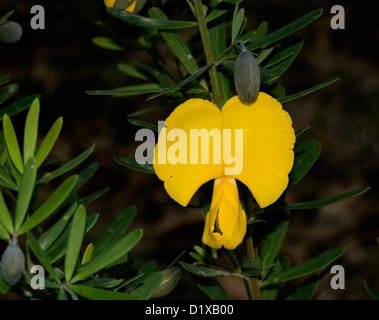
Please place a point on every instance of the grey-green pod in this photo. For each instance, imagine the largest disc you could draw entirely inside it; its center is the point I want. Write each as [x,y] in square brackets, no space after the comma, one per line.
[247,78]
[12,263]
[10,31]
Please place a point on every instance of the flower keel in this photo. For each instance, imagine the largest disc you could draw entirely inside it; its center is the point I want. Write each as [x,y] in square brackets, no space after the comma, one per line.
[225,223]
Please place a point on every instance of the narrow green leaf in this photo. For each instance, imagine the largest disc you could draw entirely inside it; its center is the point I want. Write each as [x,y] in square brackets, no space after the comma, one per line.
[7,92]
[197,257]
[149,286]
[58,248]
[235,2]
[106,43]
[308,267]
[202,252]
[47,238]
[49,141]
[307,289]
[18,106]
[261,31]
[212,289]
[115,230]
[4,234]
[86,174]
[54,201]
[133,164]
[264,54]
[144,124]
[6,16]
[370,291]
[12,144]
[305,156]
[70,165]
[26,191]
[214,14]
[74,243]
[176,44]
[166,81]
[37,250]
[62,295]
[147,269]
[93,196]
[6,180]
[31,130]
[209,272]
[251,268]
[198,73]
[268,76]
[100,294]
[5,216]
[272,291]
[119,249]
[129,91]
[321,203]
[278,91]
[283,59]
[306,92]
[4,286]
[286,30]
[145,22]
[237,22]
[272,242]
[87,256]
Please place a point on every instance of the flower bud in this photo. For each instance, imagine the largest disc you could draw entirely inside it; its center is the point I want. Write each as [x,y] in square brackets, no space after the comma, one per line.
[128,5]
[12,263]
[171,278]
[246,76]
[10,31]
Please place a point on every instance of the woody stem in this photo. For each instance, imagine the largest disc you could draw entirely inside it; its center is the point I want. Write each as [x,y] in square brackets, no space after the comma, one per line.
[252,283]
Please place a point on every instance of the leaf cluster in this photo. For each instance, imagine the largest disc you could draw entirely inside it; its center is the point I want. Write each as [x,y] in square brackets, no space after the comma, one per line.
[53,232]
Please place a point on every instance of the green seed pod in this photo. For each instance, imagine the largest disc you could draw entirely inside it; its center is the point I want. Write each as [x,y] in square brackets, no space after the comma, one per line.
[246,76]
[171,278]
[12,263]
[10,31]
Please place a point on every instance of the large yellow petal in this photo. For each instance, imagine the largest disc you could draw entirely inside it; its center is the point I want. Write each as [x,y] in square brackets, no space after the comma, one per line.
[268,141]
[225,223]
[182,179]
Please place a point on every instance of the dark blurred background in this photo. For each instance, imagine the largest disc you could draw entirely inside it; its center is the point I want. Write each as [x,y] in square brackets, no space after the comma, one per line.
[61,63]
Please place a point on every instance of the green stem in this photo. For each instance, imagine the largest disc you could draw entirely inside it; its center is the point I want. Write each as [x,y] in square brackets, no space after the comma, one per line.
[216,93]
[253,285]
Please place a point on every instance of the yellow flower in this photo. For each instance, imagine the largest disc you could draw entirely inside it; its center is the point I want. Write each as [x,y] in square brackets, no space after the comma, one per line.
[129,8]
[265,159]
